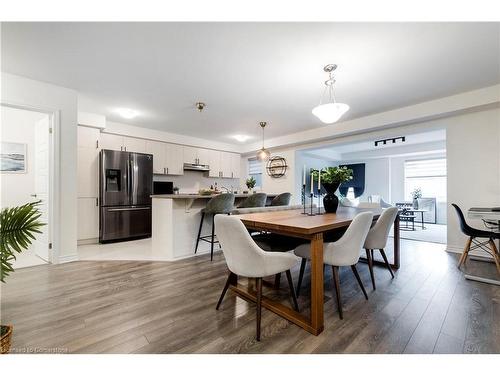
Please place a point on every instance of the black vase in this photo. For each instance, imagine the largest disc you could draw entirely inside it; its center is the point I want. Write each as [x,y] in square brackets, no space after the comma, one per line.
[330,200]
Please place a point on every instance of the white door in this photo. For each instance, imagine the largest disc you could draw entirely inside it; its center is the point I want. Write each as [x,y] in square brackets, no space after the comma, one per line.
[42,181]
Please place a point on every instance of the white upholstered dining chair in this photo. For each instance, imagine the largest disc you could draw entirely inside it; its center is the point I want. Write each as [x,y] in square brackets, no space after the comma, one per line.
[377,239]
[245,258]
[344,252]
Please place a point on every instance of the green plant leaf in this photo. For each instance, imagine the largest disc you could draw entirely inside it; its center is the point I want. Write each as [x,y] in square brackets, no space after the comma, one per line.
[18,226]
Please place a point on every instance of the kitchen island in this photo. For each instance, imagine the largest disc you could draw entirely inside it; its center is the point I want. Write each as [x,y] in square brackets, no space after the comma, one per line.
[175,223]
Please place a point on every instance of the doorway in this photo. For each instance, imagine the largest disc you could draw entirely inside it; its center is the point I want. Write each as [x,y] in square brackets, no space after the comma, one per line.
[25,173]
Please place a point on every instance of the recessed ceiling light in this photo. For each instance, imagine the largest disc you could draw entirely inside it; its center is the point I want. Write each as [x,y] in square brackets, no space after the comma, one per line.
[127,112]
[241,137]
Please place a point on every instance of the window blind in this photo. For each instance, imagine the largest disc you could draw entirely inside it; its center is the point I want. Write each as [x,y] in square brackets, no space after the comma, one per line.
[425,168]
[254,166]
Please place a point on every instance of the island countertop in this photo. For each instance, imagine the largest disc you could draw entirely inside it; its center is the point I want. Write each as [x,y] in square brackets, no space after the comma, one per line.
[198,196]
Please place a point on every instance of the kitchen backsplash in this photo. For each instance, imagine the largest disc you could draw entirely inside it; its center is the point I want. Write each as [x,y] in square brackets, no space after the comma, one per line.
[193,181]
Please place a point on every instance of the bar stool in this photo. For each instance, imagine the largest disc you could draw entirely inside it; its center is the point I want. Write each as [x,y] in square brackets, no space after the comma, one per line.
[254,200]
[282,199]
[220,204]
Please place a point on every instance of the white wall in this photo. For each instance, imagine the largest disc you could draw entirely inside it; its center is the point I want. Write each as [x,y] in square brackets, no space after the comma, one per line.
[26,92]
[19,126]
[473,144]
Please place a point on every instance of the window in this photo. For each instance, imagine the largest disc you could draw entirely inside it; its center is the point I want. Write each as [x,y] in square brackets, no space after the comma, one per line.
[428,175]
[255,171]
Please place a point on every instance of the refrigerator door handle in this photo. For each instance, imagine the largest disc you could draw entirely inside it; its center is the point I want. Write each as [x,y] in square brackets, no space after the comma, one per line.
[128,209]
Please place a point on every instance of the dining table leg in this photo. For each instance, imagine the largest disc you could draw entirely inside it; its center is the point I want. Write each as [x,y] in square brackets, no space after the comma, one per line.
[317,318]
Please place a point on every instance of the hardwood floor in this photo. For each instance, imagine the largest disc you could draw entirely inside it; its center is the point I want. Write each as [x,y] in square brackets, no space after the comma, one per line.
[156,307]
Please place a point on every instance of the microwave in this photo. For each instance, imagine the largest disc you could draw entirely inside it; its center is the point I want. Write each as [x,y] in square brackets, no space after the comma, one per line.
[163,187]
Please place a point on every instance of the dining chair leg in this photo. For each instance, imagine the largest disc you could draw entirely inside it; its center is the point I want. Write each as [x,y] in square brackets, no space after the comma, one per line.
[465,252]
[336,285]
[355,271]
[301,275]
[199,232]
[386,262]
[496,257]
[370,267]
[292,290]
[213,236]
[258,282]
[230,280]
[277,280]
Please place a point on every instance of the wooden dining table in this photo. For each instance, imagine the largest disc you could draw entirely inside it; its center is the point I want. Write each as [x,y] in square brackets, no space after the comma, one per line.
[294,223]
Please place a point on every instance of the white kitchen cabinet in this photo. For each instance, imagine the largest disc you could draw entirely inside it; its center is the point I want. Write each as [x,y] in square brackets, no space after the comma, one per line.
[214,164]
[225,165]
[88,219]
[174,162]
[131,144]
[235,165]
[190,154]
[205,155]
[88,162]
[111,142]
[158,150]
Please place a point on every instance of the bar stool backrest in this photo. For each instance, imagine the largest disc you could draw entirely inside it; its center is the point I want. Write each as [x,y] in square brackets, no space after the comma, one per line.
[254,200]
[220,204]
[282,199]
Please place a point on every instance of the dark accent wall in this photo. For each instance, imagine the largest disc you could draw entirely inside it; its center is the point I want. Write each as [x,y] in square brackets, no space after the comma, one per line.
[357,182]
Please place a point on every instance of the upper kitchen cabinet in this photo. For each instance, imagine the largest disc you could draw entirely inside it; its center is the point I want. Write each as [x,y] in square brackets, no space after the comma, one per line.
[88,161]
[194,155]
[158,150]
[174,162]
[190,155]
[225,165]
[235,165]
[167,157]
[122,143]
[111,142]
[131,144]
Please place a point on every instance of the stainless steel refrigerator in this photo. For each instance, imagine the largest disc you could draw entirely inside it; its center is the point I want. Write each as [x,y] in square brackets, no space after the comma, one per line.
[125,181]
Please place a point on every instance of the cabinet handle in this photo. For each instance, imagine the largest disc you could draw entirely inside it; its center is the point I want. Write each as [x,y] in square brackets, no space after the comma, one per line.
[232,175]
[167,170]
[97,144]
[97,202]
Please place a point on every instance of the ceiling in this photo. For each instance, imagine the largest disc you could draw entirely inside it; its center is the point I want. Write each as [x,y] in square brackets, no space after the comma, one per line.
[349,150]
[249,72]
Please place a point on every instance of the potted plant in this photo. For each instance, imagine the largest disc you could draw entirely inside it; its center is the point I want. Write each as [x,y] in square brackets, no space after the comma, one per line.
[18,226]
[331,178]
[250,182]
[416,194]
[176,190]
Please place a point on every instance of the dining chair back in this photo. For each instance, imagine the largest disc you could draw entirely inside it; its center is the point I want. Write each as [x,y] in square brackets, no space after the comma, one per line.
[245,258]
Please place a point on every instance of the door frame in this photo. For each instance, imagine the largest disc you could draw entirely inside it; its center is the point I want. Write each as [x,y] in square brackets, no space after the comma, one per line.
[54,174]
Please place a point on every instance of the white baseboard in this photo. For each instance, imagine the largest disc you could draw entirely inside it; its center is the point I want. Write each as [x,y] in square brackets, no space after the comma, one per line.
[454,249]
[88,241]
[68,258]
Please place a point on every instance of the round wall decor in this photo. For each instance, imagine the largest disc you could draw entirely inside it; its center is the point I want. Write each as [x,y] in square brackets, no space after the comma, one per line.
[276,166]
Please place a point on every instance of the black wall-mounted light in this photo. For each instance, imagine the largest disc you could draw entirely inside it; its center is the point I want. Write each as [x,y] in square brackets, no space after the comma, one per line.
[393,140]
